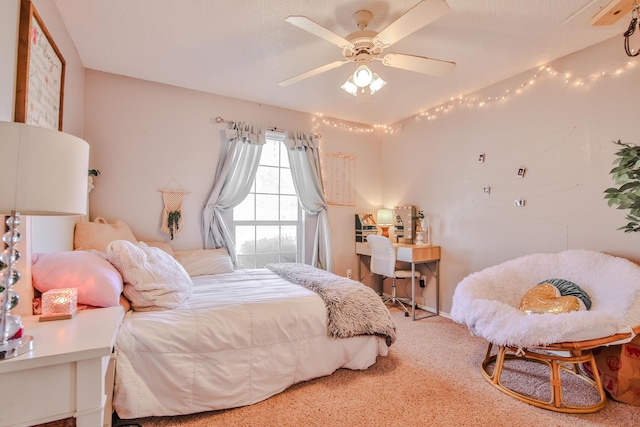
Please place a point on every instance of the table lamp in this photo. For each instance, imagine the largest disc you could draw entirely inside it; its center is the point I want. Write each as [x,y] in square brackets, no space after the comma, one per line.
[44,172]
[384,217]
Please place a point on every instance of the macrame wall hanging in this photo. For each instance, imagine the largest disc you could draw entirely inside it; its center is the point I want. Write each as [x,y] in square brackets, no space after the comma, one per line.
[172,219]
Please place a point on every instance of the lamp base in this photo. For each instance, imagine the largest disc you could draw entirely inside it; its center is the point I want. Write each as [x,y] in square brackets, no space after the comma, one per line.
[385,230]
[16,347]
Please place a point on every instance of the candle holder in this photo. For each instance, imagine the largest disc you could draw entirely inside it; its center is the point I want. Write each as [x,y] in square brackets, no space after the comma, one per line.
[59,304]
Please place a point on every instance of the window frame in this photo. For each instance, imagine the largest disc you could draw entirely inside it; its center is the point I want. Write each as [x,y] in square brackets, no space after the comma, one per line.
[299,223]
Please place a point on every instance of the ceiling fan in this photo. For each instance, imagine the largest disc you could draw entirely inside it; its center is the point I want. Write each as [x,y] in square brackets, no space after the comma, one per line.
[364,46]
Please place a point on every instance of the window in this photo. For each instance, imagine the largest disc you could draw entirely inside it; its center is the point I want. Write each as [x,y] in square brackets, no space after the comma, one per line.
[267,225]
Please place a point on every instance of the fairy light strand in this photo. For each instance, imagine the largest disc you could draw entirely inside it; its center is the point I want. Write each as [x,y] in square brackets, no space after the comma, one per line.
[477,102]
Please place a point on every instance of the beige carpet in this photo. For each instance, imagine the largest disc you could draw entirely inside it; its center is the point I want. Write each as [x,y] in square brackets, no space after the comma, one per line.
[431,377]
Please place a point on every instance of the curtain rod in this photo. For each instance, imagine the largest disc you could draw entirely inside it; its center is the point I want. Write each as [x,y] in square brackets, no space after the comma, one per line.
[272,129]
[220,120]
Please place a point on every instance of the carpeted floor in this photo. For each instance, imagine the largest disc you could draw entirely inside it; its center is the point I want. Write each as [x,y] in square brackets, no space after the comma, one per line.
[430,377]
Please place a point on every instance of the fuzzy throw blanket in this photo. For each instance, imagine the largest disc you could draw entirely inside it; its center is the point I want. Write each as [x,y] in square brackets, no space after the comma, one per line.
[353,308]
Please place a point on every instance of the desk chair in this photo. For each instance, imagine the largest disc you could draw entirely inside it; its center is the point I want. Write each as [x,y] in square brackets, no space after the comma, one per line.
[383,263]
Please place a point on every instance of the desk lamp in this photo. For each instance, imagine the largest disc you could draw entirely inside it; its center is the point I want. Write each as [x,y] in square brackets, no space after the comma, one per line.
[384,217]
[44,172]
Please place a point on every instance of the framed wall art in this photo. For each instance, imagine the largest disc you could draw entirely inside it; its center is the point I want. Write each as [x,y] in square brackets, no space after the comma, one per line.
[40,73]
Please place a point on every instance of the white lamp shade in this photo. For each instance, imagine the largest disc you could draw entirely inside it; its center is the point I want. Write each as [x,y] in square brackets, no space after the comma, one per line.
[362,76]
[384,216]
[43,171]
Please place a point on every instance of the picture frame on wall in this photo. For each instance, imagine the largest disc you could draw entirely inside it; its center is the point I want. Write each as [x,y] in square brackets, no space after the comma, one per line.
[39,74]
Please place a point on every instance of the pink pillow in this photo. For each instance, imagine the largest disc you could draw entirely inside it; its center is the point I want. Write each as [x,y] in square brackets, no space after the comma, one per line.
[99,283]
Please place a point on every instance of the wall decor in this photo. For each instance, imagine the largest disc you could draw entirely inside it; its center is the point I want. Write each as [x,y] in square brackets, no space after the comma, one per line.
[339,173]
[521,172]
[40,73]
[172,219]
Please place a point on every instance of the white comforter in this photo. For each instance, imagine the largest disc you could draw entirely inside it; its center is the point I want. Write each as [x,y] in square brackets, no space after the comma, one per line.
[241,338]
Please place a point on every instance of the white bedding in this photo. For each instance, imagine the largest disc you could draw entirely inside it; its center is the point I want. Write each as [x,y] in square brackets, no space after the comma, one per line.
[241,338]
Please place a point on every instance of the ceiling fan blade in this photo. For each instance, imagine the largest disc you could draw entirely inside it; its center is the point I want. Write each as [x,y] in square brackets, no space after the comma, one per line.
[415,18]
[318,30]
[419,64]
[612,12]
[312,73]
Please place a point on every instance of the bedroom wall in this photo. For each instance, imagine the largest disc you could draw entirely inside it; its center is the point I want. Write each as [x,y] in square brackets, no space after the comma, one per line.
[143,135]
[561,133]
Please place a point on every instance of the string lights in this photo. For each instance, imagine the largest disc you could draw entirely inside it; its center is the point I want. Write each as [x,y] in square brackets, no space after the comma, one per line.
[478,102]
[318,119]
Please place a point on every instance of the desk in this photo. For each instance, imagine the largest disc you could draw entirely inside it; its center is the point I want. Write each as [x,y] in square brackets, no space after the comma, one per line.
[414,254]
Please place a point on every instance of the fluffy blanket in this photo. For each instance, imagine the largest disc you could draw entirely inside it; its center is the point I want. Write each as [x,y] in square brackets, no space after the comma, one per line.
[353,308]
[487,301]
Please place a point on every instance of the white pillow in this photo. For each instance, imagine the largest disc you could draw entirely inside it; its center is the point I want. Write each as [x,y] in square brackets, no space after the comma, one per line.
[205,261]
[153,279]
[162,245]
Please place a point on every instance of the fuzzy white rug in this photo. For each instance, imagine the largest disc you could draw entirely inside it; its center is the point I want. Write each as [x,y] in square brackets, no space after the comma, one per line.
[487,301]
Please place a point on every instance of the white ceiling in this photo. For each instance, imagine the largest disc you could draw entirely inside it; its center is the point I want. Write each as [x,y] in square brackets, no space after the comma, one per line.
[243,48]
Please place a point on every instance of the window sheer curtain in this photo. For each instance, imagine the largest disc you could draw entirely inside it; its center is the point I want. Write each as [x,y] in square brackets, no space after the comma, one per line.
[237,165]
[304,158]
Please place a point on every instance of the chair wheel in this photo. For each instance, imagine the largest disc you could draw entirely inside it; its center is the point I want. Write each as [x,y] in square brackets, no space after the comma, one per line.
[406,314]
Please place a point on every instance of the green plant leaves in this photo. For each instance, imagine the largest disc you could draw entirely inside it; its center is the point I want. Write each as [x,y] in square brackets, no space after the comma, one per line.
[627,175]
[173,222]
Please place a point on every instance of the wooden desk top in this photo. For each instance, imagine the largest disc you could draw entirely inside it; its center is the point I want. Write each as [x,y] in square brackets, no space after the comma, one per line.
[406,252]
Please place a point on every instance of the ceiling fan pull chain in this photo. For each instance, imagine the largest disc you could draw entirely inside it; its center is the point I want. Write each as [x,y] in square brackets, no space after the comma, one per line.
[631,30]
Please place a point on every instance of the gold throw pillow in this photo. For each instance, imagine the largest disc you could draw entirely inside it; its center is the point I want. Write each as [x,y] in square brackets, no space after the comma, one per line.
[546,298]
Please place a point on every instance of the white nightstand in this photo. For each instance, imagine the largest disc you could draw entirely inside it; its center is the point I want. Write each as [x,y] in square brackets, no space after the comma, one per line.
[65,373]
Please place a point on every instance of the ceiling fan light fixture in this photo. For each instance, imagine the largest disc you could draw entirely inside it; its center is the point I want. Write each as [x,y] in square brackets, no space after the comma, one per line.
[363,46]
[362,76]
[350,87]
[376,84]
[364,92]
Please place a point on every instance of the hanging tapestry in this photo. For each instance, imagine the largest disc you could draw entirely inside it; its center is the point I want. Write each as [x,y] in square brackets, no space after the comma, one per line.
[339,174]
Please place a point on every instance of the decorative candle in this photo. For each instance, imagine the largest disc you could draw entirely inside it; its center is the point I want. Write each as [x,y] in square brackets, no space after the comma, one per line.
[59,304]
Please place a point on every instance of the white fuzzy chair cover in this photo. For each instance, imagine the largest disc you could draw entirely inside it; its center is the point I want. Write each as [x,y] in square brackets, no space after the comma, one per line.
[487,301]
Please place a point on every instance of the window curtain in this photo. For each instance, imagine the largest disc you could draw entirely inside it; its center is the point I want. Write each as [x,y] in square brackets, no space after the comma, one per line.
[304,158]
[237,165]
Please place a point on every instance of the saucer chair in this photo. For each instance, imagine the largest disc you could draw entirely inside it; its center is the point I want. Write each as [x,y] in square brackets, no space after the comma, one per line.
[488,303]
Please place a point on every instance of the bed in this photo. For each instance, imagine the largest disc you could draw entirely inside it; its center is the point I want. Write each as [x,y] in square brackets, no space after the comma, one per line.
[234,337]
[239,339]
